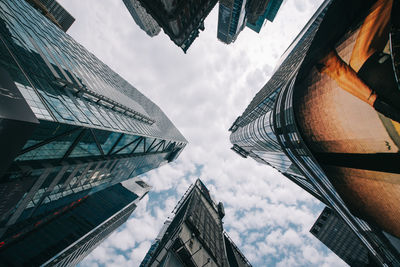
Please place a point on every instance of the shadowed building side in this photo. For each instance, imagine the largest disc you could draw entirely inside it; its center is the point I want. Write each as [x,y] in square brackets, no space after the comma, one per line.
[333,232]
[66,236]
[181,20]
[194,236]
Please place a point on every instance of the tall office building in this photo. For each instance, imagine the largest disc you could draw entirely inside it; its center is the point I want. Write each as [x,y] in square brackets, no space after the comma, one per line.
[259,11]
[331,230]
[306,124]
[181,20]
[55,12]
[66,236]
[142,18]
[70,126]
[234,15]
[195,236]
[231,19]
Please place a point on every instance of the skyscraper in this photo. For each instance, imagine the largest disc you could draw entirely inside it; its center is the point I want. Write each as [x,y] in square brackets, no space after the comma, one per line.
[142,18]
[53,11]
[259,11]
[70,126]
[181,20]
[312,125]
[195,236]
[331,230]
[234,15]
[231,19]
[65,237]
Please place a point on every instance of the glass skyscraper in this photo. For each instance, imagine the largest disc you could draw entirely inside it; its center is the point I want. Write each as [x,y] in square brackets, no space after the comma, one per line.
[55,12]
[231,19]
[234,15]
[329,142]
[69,234]
[331,230]
[181,20]
[142,18]
[70,126]
[195,236]
[261,11]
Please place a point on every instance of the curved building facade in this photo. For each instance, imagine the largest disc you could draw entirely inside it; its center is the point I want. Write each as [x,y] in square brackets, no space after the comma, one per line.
[345,150]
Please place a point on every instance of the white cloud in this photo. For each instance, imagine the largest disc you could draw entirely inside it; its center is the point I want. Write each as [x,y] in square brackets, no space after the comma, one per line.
[203,92]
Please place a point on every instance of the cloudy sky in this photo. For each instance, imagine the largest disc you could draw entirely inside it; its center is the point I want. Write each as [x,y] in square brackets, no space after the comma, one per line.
[203,92]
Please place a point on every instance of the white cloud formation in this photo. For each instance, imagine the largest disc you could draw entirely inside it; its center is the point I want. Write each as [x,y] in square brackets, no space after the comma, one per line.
[203,92]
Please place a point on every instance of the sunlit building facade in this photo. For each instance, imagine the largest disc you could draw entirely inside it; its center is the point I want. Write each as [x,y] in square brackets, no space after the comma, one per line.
[70,126]
[332,144]
[195,236]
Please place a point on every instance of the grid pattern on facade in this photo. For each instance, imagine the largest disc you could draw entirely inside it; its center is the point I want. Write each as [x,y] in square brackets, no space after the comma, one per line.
[71,232]
[338,237]
[181,20]
[68,88]
[195,235]
[207,225]
[290,62]
[289,139]
[231,19]
[142,18]
[55,12]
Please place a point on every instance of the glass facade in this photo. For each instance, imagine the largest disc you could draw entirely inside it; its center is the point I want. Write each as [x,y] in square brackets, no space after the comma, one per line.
[142,18]
[338,237]
[269,13]
[231,19]
[66,236]
[195,236]
[93,130]
[54,12]
[276,101]
[181,20]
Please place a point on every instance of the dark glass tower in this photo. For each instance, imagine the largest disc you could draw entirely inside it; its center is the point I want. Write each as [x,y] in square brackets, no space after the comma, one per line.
[338,237]
[53,11]
[231,19]
[329,142]
[66,236]
[195,236]
[234,15]
[259,11]
[70,126]
[181,20]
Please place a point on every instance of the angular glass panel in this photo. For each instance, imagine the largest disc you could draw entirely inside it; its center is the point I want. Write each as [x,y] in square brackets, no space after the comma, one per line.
[106,139]
[59,108]
[75,110]
[52,150]
[87,112]
[129,148]
[155,146]
[148,143]
[140,147]
[125,140]
[86,147]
